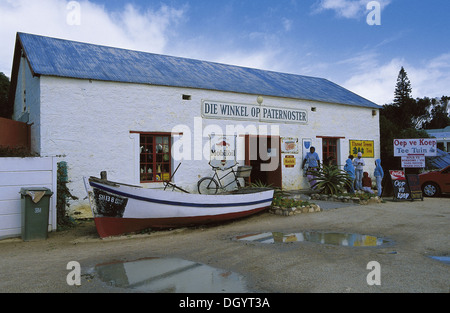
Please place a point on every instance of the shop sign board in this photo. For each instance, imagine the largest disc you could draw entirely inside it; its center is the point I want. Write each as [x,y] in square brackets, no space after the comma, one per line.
[289,145]
[222,151]
[414,186]
[250,112]
[366,147]
[413,161]
[400,185]
[289,161]
[423,146]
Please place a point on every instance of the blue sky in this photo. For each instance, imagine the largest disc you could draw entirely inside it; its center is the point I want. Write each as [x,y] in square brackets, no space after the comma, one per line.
[322,38]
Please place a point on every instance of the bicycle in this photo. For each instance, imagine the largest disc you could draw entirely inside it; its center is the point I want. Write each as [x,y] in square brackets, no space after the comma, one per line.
[210,186]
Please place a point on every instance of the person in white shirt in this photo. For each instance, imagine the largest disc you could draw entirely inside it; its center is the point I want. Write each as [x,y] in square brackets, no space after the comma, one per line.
[359,163]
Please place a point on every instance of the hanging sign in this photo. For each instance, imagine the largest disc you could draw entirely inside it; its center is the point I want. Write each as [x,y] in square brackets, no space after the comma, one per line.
[400,185]
[222,151]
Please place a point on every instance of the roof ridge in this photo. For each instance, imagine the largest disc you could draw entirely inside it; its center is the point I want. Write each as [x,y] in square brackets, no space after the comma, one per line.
[75,59]
[170,56]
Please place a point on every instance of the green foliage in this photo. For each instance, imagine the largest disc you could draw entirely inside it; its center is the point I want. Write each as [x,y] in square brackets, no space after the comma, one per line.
[406,117]
[280,200]
[63,197]
[402,89]
[439,117]
[19,152]
[259,184]
[331,180]
[5,110]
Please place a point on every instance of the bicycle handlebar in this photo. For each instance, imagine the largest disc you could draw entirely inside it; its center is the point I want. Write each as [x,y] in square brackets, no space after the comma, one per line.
[216,167]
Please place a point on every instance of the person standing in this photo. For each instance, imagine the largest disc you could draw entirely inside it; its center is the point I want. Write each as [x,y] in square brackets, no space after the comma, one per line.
[313,161]
[379,174]
[359,163]
[350,170]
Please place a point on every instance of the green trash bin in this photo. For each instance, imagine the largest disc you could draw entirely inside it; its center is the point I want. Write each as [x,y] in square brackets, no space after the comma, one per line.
[35,213]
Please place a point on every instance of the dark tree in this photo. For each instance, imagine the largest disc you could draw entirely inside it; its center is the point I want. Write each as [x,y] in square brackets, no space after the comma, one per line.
[402,89]
[439,117]
[406,112]
[401,119]
[5,110]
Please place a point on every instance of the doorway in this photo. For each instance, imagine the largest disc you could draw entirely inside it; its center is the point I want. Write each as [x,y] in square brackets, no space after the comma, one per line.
[262,153]
[330,151]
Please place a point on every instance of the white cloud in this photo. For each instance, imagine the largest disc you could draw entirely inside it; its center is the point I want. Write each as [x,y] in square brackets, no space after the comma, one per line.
[264,59]
[155,30]
[287,24]
[347,8]
[146,30]
[377,81]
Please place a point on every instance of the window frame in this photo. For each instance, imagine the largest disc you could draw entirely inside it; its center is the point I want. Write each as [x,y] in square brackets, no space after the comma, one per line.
[157,158]
[326,144]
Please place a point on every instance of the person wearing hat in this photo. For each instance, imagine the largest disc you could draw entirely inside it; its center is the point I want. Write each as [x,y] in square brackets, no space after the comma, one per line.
[359,163]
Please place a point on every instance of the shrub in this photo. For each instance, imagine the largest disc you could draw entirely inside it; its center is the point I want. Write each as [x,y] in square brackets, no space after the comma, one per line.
[330,180]
[18,152]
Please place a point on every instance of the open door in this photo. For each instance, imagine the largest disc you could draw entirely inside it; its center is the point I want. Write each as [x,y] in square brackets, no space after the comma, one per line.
[263,154]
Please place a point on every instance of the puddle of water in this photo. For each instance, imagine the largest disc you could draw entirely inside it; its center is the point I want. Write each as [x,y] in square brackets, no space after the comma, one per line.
[443,259]
[340,239]
[170,275]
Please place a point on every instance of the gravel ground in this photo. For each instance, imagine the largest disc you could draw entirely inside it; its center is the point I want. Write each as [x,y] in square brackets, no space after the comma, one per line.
[418,230]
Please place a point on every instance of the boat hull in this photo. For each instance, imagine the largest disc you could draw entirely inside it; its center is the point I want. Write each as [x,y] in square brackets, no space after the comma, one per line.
[120,209]
[113,226]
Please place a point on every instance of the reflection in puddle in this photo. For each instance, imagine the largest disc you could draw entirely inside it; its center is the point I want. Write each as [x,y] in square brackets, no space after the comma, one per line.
[443,259]
[170,276]
[351,240]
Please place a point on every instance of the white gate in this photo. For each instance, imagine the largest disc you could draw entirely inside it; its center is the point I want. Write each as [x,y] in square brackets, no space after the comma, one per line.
[17,173]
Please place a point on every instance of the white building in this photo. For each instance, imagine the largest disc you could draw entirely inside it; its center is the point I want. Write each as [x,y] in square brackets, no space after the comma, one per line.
[133,114]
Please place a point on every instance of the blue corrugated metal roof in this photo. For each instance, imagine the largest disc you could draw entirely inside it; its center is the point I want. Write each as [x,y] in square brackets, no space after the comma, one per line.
[441,160]
[57,57]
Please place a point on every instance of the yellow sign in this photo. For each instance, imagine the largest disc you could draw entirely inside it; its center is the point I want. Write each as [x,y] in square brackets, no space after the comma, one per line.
[366,147]
[289,161]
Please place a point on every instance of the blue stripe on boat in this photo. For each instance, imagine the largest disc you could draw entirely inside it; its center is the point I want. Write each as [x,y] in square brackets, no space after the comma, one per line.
[213,205]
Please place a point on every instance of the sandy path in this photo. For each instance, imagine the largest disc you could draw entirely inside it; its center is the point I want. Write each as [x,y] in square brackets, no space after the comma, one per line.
[418,229]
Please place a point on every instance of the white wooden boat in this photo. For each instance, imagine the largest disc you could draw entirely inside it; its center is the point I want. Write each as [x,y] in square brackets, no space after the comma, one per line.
[120,208]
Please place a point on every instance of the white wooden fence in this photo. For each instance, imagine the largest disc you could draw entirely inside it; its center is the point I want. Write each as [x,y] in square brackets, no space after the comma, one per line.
[16,173]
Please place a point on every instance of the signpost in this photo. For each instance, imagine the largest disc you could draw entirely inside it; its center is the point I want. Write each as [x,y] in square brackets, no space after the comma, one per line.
[408,147]
[413,153]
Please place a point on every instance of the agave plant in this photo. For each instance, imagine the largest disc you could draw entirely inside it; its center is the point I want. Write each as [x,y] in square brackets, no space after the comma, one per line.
[330,180]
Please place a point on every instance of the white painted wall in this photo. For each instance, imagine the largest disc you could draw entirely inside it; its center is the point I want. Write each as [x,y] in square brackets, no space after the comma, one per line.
[17,173]
[26,105]
[89,124]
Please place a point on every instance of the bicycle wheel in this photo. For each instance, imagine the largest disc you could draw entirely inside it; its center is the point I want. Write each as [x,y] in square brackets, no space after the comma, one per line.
[207,186]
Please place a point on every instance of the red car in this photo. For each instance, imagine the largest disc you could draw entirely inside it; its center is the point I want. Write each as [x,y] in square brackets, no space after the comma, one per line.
[436,182]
